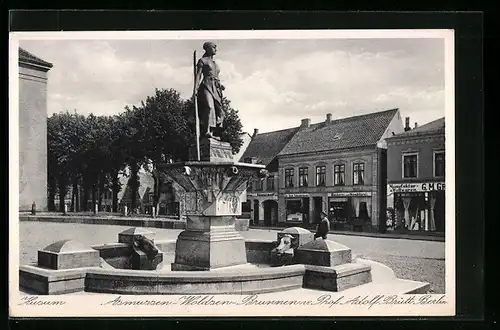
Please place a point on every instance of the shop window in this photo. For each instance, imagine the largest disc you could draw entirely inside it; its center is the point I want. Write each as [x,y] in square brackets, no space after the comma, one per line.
[270,183]
[294,212]
[288,177]
[410,166]
[303,176]
[358,177]
[439,164]
[321,175]
[338,211]
[259,185]
[339,175]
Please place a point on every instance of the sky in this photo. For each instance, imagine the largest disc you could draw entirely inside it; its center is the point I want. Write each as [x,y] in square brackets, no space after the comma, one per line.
[272,83]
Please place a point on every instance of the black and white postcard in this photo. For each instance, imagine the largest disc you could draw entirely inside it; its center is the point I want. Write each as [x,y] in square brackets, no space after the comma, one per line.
[232,173]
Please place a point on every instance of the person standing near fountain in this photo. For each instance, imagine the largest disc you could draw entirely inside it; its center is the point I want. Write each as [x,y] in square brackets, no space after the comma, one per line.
[208,93]
[323,227]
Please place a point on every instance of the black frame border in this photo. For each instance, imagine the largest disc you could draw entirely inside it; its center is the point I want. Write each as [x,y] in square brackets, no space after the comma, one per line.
[469,113]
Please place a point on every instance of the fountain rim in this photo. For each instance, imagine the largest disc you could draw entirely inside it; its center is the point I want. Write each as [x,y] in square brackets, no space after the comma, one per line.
[216,275]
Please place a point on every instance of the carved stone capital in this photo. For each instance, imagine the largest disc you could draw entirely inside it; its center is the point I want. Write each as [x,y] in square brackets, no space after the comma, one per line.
[212,189]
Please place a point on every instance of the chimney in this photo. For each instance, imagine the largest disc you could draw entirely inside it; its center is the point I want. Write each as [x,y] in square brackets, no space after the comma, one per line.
[305,123]
[407,124]
[416,125]
[328,117]
[255,132]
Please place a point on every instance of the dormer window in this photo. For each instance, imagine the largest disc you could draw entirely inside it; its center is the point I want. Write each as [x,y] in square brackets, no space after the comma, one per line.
[337,136]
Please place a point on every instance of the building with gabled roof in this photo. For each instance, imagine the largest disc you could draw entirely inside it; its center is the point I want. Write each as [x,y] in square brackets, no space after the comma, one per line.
[338,167]
[262,194]
[416,177]
[33,77]
[265,147]
[346,133]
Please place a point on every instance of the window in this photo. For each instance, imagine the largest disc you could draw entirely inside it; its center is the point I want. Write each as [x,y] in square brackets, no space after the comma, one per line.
[410,164]
[439,161]
[358,174]
[270,183]
[303,173]
[321,175]
[259,184]
[289,178]
[249,185]
[339,175]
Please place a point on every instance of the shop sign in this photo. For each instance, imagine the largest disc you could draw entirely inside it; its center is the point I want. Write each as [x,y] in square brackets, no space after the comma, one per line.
[351,194]
[260,194]
[416,187]
[295,195]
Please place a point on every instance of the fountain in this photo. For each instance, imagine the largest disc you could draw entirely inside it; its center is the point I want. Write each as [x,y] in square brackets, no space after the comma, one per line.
[209,256]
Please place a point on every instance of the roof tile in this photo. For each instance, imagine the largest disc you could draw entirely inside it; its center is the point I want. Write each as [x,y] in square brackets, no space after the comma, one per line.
[266,146]
[351,132]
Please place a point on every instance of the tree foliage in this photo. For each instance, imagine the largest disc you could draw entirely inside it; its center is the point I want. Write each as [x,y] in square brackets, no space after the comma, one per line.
[92,151]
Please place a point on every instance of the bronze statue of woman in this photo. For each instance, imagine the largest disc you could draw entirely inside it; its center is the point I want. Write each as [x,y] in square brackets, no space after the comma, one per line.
[209,93]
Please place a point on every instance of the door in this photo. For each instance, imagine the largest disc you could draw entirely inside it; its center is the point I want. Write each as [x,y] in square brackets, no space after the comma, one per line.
[318,207]
[256,212]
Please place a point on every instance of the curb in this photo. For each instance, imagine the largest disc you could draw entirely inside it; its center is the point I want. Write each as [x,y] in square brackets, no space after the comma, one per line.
[374,235]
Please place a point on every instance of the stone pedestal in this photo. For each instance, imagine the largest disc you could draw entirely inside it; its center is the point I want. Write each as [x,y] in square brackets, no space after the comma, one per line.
[322,252]
[216,245]
[212,150]
[61,268]
[68,254]
[127,236]
[297,237]
[212,193]
[300,236]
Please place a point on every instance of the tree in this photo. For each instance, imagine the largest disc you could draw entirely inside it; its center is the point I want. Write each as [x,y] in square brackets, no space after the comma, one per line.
[64,139]
[232,126]
[165,132]
[117,140]
[133,147]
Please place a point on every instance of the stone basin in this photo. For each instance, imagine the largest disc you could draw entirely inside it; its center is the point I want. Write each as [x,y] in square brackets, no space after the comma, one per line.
[257,276]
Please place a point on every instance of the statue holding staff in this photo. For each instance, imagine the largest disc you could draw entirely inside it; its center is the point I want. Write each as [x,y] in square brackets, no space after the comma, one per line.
[208,93]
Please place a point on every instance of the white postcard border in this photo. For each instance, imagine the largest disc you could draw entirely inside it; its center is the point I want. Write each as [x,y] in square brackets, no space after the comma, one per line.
[77,305]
